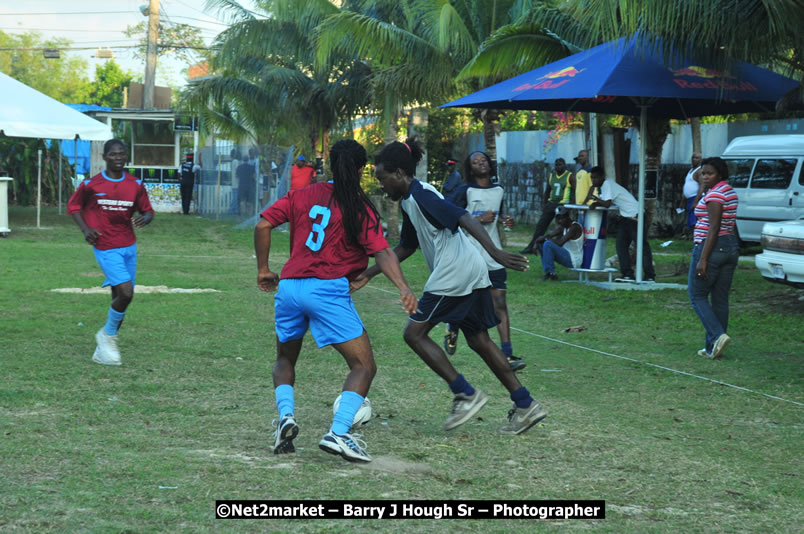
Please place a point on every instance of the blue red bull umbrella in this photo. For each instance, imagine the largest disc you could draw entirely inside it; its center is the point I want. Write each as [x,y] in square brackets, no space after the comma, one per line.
[621,76]
[630,77]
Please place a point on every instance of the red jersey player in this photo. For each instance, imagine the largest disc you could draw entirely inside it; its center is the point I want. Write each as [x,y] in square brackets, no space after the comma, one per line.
[103,207]
[333,229]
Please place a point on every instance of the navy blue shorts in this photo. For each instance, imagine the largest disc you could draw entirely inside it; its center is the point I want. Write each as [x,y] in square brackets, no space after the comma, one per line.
[498,279]
[471,313]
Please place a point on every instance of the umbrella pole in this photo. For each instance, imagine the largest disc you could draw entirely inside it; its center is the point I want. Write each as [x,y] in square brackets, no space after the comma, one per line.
[38,188]
[60,158]
[643,132]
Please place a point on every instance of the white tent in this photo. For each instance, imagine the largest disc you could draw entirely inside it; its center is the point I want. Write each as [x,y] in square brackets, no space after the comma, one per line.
[25,112]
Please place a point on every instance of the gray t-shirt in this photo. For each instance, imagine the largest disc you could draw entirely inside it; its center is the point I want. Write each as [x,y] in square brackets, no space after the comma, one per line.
[431,223]
[478,200]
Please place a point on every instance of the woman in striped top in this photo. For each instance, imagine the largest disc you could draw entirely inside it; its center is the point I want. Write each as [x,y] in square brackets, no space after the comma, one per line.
[714,257]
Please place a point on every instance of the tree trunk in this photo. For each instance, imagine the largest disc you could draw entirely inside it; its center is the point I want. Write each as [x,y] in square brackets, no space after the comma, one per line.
[392,207]
[491,129]
[695,126]
[417,125]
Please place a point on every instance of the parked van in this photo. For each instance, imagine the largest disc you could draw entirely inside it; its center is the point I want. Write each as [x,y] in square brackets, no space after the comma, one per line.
[767,172]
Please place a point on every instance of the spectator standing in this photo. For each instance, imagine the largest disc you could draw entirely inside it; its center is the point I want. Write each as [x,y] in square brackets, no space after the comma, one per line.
[453,179]
[556,192]
[301,174]
[187,173]
[582,179]
[247,187]
[714,256]
[692,187]
[613,193]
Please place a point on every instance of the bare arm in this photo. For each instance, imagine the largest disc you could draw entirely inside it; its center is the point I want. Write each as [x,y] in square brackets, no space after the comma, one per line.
[143,219]
[90,234]
[714,210]
[504,258]
[266,280]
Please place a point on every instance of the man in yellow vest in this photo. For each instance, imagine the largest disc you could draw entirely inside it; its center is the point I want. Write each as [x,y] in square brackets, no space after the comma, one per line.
[557,191]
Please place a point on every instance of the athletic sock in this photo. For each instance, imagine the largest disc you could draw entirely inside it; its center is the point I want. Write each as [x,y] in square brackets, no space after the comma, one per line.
[521,397]
[452,328]
[284,400]
[113,320]
[460,385]
[345,416]
[507,348]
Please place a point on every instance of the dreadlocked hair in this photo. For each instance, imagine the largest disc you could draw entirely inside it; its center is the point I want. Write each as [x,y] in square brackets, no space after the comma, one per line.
[467,166]
[398,155]
[347,158]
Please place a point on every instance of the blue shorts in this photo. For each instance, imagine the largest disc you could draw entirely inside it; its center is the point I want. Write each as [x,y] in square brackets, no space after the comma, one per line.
[471,313]
[323,305]
[498,278]
[118,264]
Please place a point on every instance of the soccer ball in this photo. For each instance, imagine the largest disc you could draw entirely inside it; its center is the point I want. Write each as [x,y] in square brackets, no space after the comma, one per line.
[363,414]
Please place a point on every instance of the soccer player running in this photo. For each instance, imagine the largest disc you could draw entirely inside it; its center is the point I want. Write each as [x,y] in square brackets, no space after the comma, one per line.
[484,201]
[334,227]
[457,290]
[102,207]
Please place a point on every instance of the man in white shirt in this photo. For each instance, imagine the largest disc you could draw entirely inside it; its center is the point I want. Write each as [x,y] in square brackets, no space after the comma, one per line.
[691,188]
[613,193]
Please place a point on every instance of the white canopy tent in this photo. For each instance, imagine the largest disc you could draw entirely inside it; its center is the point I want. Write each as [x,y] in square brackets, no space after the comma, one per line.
[25,112]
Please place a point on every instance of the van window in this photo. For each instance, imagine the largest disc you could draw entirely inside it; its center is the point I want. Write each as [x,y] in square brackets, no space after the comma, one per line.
[773,173]
[801,176]
[739,171]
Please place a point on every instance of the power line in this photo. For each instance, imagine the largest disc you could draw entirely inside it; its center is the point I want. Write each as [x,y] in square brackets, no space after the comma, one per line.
[69,13]
[61,30]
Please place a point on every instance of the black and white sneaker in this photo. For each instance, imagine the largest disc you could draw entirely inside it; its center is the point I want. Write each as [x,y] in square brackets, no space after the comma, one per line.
[625,279]
[349,446]
[286,431]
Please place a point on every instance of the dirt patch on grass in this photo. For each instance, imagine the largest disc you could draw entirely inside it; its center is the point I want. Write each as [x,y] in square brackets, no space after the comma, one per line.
[395,465]
[137,289]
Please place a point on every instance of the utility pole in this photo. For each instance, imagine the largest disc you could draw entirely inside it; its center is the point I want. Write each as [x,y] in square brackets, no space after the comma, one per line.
[150,59]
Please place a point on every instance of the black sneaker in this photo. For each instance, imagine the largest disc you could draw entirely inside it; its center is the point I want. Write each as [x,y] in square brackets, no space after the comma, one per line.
[286,431]
[516,363]
[526,250]
[550,276]
[451,341]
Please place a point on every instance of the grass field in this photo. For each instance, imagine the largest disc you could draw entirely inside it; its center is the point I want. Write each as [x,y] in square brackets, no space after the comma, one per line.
[186,420]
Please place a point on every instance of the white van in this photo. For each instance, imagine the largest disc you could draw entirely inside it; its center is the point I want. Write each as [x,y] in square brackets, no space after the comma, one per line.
[767,172]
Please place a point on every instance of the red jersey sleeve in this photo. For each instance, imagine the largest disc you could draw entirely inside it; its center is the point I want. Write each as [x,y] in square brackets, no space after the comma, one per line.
[279,212]
[373,241]
[76,202]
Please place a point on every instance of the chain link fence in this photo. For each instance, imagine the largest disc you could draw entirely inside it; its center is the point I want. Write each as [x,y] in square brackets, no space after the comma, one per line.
[237,182]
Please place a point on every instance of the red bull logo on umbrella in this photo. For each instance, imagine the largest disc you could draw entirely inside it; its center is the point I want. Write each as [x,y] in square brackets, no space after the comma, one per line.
[712,79]
[567,73]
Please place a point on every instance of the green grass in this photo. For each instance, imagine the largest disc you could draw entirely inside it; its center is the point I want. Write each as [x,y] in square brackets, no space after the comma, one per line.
[86,448]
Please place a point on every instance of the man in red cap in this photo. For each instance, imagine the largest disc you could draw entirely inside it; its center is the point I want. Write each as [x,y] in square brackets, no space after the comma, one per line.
[301,174]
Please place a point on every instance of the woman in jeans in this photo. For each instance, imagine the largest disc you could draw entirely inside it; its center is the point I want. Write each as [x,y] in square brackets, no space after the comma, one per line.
[714,257]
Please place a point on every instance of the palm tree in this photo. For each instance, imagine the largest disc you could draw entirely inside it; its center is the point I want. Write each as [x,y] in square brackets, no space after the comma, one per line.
[417,47]
[267,75]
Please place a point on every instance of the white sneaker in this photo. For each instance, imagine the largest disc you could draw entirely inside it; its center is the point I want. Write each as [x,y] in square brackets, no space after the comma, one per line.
[97,357]
[720,346]
[348,446]
[107,352]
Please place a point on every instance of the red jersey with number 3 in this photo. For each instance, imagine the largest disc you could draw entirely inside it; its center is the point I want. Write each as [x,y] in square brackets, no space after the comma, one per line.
[108,205]
[318,243]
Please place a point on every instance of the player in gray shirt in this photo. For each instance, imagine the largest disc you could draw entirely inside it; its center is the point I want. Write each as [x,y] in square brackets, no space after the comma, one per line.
[457,290]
